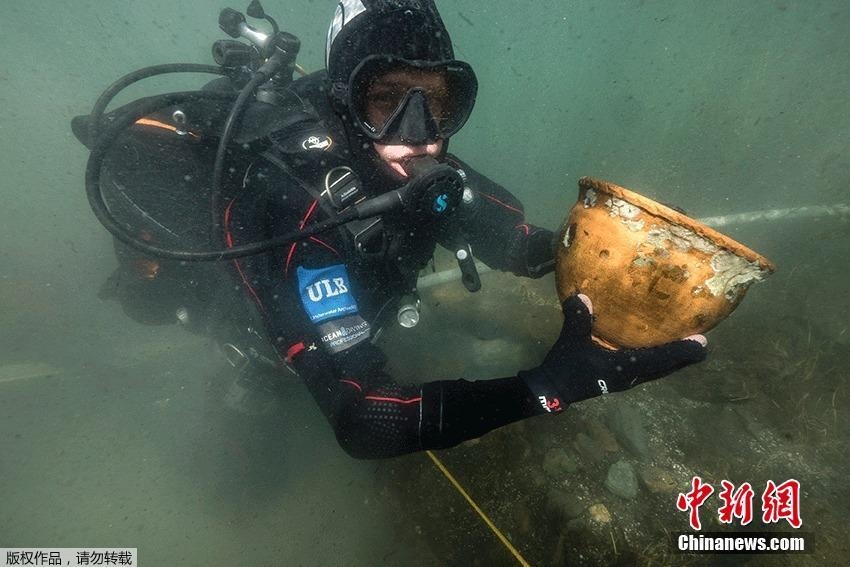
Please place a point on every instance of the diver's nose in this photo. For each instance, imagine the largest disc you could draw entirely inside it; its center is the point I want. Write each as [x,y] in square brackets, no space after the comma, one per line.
[417,126]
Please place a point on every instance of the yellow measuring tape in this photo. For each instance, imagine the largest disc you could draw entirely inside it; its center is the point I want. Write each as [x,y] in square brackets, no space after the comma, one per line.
[480,512]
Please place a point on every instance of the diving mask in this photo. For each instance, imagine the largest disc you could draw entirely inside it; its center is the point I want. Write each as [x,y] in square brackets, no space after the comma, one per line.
[397,101]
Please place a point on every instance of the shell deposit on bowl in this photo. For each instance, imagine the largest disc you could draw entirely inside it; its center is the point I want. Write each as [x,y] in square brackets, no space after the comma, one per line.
[654,274]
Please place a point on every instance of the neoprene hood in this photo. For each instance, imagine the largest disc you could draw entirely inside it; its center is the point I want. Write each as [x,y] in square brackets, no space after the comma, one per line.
[408,29]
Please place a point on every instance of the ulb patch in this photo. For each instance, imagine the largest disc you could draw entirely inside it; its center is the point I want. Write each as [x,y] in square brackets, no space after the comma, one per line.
[326,292]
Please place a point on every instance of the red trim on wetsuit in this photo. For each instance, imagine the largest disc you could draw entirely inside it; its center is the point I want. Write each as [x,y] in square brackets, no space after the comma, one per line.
[353,383]
[303,222]
[325,244]
[396,400]
[309,214]
[495,200]
[289,258]
[380,398]
[228,240]
[524,227]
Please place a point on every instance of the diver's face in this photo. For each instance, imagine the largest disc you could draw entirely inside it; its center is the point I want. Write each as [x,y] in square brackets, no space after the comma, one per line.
[383,96]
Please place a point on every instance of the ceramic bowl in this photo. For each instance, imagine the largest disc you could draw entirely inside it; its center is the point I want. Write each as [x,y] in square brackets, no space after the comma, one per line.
[654,274]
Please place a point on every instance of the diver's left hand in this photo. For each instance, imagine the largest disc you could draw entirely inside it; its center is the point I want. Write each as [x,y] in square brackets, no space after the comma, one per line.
[577,368]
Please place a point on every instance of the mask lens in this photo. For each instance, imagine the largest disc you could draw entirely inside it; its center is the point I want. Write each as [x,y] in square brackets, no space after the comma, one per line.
[381,87]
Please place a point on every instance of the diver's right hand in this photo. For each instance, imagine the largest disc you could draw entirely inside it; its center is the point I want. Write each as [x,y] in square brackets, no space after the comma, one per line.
[577,368]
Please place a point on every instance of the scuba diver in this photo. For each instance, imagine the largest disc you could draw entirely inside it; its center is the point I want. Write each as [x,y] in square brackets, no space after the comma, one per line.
[392,96]
[354,182]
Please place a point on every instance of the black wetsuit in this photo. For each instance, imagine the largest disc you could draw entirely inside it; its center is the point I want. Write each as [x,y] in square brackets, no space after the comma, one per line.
[324,299]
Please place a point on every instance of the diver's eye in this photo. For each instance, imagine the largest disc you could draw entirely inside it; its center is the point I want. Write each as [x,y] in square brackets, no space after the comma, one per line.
[379,108]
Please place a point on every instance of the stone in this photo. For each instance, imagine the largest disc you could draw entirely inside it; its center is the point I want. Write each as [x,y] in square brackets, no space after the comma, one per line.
[621,480]
[627,424]
[576,525]
[657,480]
[588,448]
[564,505]
[559,463]
[603,437]
[537,477]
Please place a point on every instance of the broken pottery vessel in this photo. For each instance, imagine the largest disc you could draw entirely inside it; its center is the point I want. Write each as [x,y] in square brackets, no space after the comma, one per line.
[654,274]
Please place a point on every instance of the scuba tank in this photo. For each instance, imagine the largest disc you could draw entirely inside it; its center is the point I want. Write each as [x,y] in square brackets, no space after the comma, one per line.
[251,101]
[149,181]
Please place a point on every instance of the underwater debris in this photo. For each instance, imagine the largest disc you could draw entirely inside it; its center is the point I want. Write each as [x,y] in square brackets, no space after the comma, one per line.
[599,514]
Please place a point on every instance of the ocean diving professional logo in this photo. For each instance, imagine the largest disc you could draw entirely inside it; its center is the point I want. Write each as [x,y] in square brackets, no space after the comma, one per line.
[441,203]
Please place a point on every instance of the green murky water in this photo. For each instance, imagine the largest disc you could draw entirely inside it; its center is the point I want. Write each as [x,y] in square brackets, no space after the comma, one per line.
[115,434]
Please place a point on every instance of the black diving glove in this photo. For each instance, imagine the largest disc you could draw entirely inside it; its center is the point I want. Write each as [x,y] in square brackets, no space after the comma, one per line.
[540,252]
[577,368]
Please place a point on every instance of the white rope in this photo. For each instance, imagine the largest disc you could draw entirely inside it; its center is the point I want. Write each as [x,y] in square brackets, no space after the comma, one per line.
[778,214]
[840,209]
